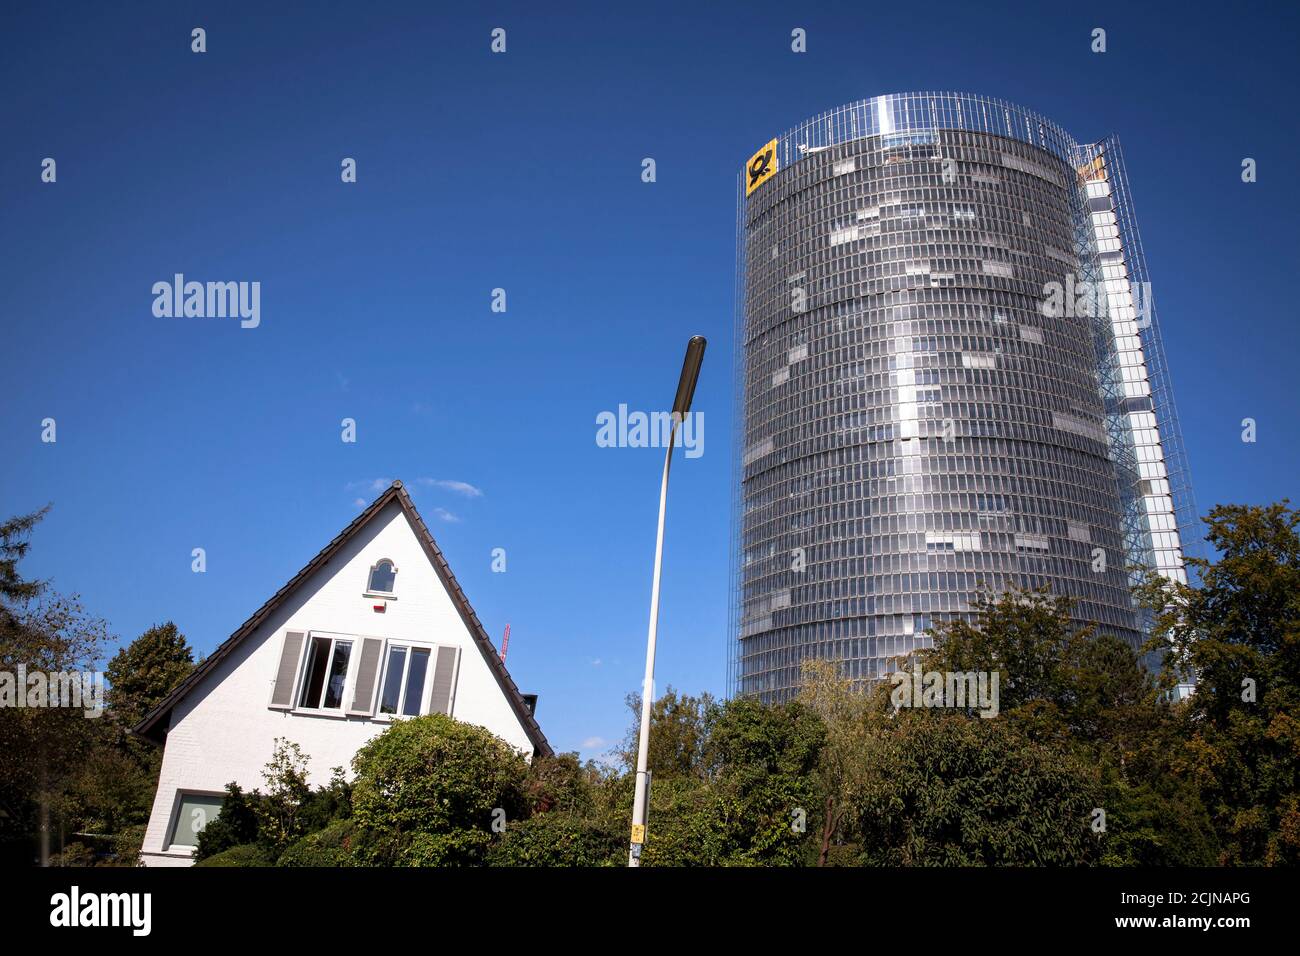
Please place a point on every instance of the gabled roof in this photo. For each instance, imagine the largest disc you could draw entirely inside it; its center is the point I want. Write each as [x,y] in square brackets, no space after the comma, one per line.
[154,724]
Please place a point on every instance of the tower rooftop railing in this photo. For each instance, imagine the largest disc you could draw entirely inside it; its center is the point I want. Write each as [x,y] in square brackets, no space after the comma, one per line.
[919,112]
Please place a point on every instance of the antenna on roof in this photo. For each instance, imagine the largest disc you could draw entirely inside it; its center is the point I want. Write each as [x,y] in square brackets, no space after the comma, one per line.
[505,644]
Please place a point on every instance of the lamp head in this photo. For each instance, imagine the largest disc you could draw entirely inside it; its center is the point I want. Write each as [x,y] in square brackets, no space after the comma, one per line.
[690,375]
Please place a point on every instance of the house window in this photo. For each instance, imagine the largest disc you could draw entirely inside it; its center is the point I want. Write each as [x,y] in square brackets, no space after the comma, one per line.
[194,812]
[382,576]
[405,674]
[326,673]
[336,675]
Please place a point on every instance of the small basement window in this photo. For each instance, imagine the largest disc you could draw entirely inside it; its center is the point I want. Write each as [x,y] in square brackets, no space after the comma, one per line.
[382,577]
[194,812]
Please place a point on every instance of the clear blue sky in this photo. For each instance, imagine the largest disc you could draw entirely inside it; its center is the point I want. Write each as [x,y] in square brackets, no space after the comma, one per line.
[522,171]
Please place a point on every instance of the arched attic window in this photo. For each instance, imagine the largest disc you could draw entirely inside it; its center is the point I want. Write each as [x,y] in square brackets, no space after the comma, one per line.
[382,577]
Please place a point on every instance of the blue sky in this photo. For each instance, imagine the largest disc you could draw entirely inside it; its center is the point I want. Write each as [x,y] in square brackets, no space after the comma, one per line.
[522,171]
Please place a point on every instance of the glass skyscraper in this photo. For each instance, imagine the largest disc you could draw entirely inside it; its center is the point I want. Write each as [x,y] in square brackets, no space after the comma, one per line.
[950,378]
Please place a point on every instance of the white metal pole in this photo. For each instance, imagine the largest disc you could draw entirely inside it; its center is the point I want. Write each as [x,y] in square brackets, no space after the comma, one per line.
[640,800]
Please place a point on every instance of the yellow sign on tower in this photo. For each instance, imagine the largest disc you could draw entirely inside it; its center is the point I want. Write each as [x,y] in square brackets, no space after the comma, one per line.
[761,168]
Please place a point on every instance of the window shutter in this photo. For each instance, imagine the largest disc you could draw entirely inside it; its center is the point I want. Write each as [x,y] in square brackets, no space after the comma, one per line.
[286,675]
[363,696]
[444,681]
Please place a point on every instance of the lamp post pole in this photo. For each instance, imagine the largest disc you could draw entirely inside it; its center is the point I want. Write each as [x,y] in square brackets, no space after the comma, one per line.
[641,798]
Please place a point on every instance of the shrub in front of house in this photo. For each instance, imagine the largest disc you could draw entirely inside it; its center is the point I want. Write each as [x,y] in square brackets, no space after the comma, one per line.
[247,854]
[433,791]
[334,845]
[558,839]
[235,825]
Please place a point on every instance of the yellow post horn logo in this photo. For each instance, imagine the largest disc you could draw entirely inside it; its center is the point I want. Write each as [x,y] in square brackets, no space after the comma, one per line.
[761,168]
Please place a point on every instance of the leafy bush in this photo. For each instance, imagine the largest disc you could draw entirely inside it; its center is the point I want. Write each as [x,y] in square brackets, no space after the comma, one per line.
[332,846]
[249,854]
[560,783]
[279,810]
[436,787]
[454,848]
[327,804]
[235,825]
[756,797]
[951,790]
[558,839]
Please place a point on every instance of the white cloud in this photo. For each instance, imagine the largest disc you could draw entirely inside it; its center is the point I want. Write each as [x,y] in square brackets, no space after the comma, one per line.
[445,515]
[375,485]
[594,743]
[360,502]
[596,662]
[460,487]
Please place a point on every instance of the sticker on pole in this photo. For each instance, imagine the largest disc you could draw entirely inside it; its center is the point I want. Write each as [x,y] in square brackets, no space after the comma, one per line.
[638,833]
[761,168]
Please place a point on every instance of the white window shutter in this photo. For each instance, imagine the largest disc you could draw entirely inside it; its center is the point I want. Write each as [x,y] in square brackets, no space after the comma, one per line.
[444,681]
[363,694]
[287,673]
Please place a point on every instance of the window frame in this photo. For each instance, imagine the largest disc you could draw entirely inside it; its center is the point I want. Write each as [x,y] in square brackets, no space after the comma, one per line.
[170,846]
[381,678]
[426,694]
[349,678]
[370,591]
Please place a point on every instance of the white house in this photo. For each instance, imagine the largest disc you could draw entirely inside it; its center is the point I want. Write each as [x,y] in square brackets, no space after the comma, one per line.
[375,627]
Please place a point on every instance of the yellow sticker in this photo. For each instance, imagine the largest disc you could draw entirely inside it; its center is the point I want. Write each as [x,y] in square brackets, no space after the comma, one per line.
[761,168]
[638,833]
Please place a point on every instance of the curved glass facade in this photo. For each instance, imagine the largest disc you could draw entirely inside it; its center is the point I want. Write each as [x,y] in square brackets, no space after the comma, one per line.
[920,415]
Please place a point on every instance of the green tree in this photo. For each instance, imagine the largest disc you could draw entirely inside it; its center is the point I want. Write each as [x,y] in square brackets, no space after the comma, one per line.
[15,590]
[1238,633]
[110,795]
[44,747]
[141,674]
[679,732]
[1087,695]
[752,807]
[843,768]
[951,790]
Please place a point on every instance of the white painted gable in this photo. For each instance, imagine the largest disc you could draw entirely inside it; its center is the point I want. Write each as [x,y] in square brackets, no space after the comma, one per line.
[224,728]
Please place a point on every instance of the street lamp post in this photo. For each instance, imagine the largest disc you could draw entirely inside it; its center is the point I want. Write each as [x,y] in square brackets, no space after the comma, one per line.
[681,406]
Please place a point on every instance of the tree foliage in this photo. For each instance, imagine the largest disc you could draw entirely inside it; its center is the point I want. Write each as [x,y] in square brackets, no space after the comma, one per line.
[141,674]
[950,790]
[1238,633]
[679,733]
[1091,759]
[436,786]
